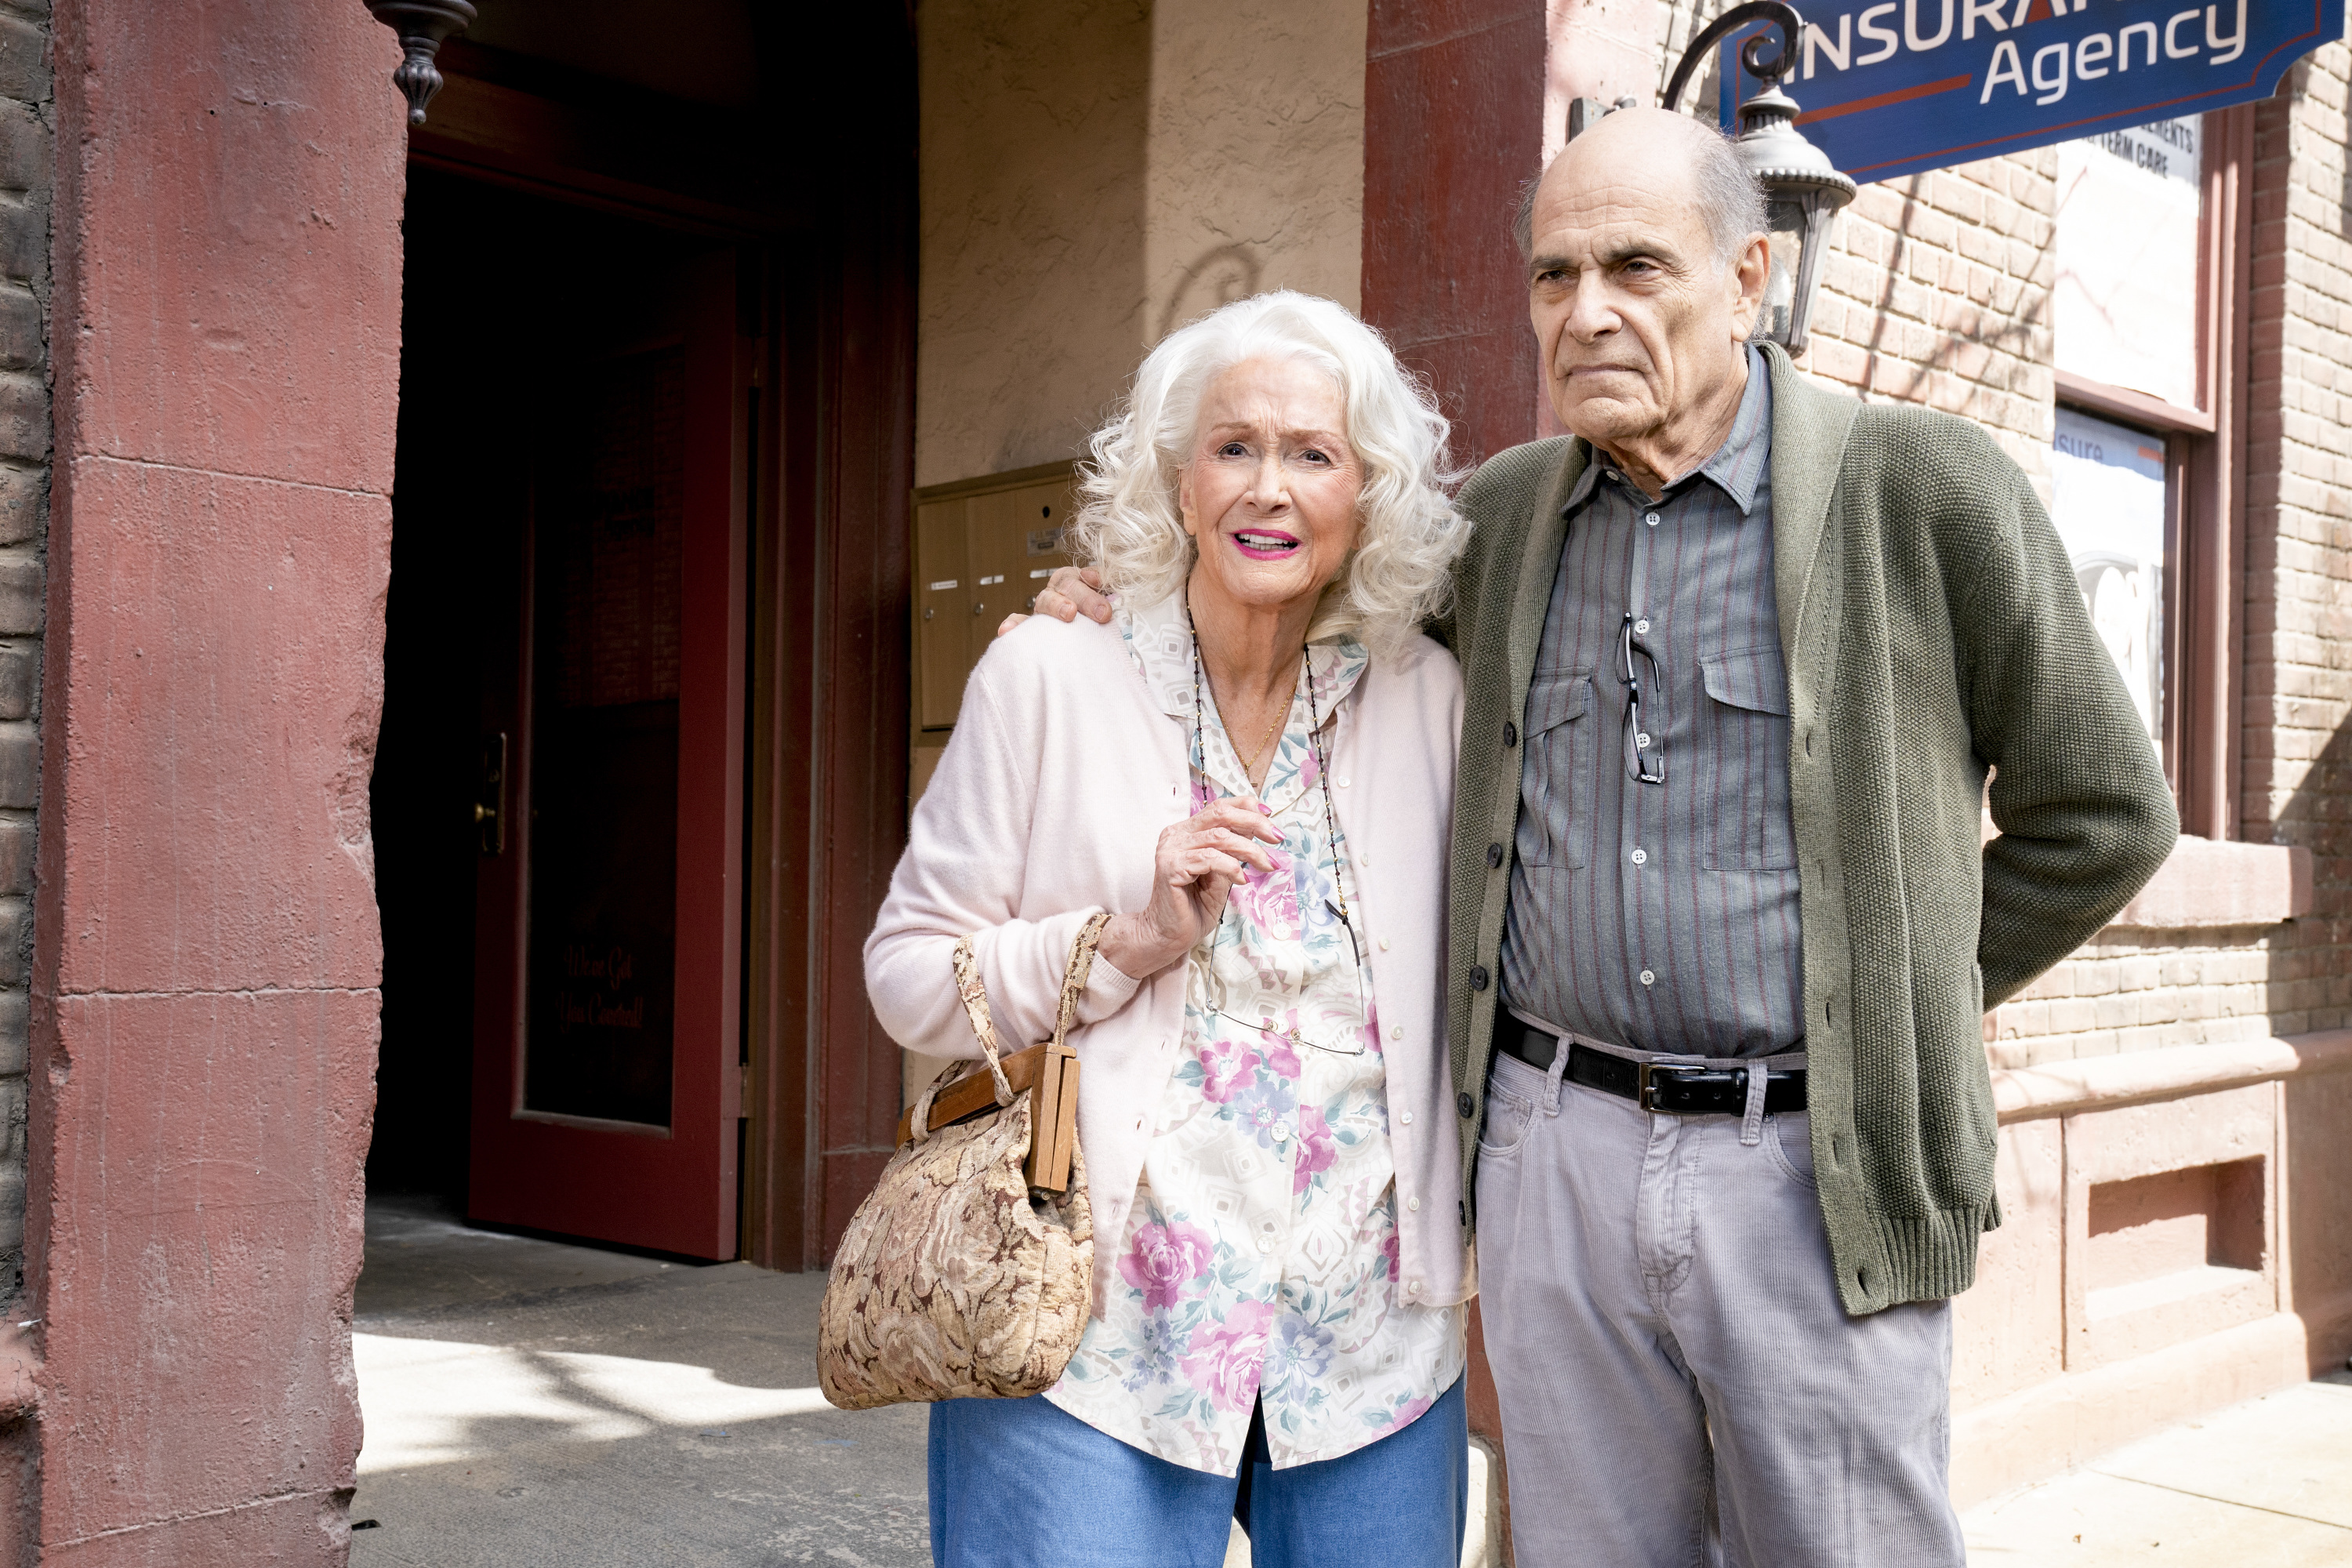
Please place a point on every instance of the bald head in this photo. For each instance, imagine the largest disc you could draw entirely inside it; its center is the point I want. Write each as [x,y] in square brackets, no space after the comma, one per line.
[1695,160]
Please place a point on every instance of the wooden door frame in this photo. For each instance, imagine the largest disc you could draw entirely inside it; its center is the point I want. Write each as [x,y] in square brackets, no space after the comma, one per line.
[833,586]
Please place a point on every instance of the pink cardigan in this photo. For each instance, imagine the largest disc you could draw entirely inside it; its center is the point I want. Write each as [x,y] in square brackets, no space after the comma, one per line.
[1061,773]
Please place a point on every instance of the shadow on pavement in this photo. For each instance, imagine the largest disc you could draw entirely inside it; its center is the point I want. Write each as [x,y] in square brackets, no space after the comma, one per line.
[531,1403]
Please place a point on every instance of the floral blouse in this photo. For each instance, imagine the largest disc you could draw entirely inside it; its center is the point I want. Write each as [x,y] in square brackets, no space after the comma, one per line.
[1259,1263]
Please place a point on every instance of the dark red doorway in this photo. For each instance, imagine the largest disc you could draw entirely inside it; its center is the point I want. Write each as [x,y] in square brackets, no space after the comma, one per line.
[608,942]
[559,797]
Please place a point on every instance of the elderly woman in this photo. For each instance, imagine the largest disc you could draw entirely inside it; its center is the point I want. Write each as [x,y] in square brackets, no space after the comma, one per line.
[1251,770]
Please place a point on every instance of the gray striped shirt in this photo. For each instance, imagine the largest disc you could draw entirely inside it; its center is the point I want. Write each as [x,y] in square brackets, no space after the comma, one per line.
[1663,916]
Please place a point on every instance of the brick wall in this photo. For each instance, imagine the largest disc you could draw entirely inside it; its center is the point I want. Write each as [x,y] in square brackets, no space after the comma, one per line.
[2298,650]
[1936,291]
[24,183]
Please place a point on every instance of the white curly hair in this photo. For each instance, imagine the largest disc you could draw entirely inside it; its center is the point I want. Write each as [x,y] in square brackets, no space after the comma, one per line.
[1127,525]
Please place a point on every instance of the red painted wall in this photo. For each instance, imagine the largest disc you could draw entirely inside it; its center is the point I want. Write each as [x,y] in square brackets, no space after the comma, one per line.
[225,333]
[1453,125]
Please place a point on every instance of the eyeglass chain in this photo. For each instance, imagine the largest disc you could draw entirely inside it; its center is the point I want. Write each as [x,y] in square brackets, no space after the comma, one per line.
[1314,739]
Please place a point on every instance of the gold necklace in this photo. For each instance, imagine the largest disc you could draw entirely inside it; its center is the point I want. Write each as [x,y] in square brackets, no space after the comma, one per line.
[1249,763]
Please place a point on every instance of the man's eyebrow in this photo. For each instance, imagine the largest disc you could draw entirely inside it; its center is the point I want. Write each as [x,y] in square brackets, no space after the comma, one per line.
[1609,254]
[1636,246]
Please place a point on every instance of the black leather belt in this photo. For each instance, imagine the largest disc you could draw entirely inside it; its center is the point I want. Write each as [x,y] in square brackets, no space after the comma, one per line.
[1676,1090]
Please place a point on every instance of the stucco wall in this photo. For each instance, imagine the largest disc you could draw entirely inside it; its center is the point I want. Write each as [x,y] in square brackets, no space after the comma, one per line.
[1031,300]
[1256,153]
[1095,171]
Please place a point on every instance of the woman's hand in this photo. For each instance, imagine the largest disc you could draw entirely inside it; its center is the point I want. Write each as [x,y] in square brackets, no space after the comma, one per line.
[1195,865]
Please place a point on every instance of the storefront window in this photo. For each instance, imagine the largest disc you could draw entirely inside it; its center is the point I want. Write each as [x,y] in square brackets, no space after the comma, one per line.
[2124,303]
[2108,482]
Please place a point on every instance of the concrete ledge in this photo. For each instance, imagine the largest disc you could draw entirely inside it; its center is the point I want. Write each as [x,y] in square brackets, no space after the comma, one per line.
[2140,1078]
[2052,1427]
[2220,883]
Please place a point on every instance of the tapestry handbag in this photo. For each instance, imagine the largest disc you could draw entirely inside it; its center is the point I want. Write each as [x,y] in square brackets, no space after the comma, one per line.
[966,1273]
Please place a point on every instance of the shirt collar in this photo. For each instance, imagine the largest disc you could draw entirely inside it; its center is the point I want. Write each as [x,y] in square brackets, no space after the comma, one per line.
[1737,466]
[1160,645]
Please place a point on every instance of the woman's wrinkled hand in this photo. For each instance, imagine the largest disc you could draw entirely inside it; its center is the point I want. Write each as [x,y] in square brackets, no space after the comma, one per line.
[1194,867]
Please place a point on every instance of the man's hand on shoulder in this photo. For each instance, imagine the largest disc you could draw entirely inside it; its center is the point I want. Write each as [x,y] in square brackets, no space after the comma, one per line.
[1069,594]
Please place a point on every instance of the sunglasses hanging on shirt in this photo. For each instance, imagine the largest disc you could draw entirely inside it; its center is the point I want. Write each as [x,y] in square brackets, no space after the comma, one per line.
[1645,763]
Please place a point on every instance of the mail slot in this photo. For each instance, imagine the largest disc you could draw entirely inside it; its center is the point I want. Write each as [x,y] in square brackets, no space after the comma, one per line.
[983,548]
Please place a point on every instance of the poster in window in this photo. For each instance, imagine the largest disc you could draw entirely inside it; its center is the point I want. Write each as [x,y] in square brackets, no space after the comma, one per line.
[2123,304]
[2107,481]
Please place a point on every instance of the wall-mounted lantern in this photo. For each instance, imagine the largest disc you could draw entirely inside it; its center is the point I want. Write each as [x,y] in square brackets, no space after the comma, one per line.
[423,26]
[1802,190]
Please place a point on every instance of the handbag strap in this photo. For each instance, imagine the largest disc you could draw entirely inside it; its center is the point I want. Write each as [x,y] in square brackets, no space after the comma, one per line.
[1073,978]
[974,993]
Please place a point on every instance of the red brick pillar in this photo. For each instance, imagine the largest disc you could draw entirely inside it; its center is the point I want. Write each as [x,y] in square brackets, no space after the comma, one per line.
[1454,105]
[226,339]
[1454,110]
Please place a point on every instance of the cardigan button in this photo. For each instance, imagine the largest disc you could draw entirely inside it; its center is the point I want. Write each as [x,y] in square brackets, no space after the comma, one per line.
[1510,734]
[1477,978]
[1495,854]
[1466,1105]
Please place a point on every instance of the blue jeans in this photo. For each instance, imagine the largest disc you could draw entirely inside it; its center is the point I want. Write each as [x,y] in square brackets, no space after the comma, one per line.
[1018,1482]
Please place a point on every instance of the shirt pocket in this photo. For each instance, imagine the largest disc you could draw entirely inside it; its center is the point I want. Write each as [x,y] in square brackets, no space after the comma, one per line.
[1743,774]
[1556,777]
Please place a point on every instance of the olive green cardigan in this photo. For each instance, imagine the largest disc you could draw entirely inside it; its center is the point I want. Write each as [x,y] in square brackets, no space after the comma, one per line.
[1933,633]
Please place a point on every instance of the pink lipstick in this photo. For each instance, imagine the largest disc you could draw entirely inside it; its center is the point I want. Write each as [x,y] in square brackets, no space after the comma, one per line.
[1265,543]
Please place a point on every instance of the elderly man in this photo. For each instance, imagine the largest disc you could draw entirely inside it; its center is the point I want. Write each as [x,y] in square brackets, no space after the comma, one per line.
[1742,654]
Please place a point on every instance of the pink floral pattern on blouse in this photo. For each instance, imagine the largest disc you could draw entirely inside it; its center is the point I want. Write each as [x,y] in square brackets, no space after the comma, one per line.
[1259,1262]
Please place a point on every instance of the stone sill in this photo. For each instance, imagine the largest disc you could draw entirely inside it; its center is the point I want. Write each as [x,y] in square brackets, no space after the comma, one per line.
[2170,1289]
[2211,882]
[2171,1072]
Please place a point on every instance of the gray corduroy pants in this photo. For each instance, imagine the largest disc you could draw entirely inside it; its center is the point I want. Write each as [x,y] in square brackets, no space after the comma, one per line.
[1679,1385]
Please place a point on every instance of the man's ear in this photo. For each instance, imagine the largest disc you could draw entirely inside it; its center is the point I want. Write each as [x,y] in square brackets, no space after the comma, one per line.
[1749,275]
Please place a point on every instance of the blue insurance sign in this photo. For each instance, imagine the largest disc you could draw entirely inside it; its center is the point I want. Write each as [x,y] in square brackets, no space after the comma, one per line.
[1899,86]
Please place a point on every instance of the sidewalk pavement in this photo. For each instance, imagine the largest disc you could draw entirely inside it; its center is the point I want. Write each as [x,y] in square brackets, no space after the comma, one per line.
[2268,1483]
[533,1405]
[530,1404]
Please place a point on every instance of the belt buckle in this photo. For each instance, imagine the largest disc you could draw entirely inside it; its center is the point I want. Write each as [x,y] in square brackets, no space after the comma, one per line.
[1641,1086]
